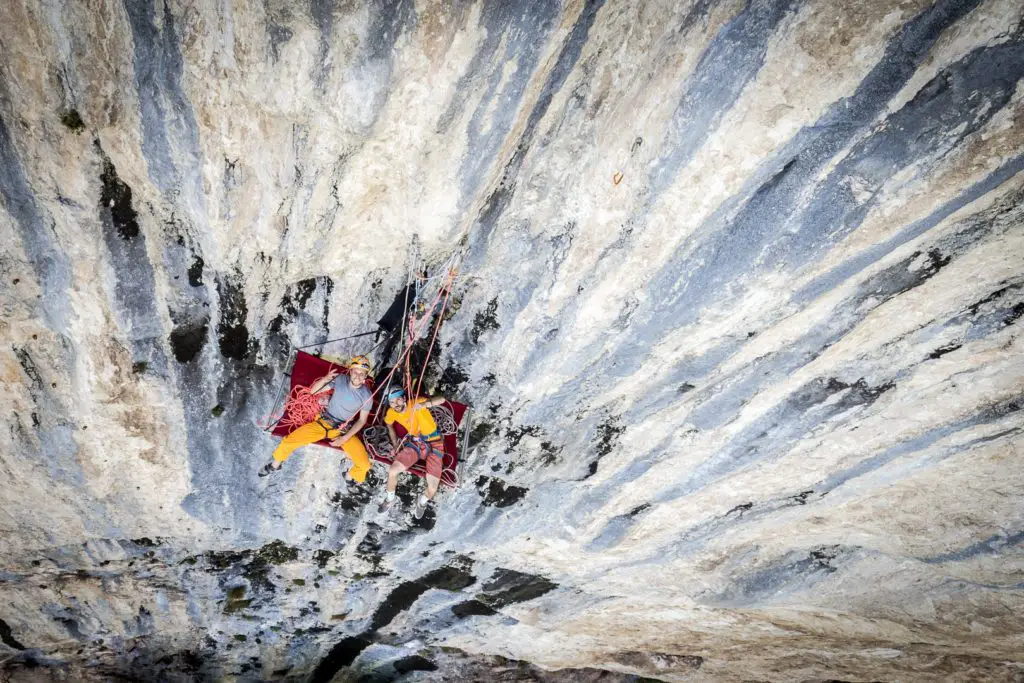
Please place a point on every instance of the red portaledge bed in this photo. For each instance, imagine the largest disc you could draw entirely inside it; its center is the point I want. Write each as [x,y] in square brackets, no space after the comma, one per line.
[309,368]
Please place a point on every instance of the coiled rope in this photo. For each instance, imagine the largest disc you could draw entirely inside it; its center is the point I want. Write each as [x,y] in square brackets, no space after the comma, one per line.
[302,407]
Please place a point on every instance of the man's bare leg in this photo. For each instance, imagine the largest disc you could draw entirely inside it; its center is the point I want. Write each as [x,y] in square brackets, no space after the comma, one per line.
[393,472]
[389,498]
[432,483]
[425,498]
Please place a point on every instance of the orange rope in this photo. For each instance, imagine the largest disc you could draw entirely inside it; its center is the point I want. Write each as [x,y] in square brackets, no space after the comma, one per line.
[398,363]
[302,407]
[414,331]
[440,318]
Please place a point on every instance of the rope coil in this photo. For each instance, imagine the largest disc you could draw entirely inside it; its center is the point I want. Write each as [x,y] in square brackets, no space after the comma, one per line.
[302,407]
[444,418]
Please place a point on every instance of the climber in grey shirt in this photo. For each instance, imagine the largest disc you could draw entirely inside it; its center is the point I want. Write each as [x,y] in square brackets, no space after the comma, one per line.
[346,400]
[351,397]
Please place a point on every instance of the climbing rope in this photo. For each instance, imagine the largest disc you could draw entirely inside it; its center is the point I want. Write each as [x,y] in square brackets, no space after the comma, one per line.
[440,318]
[331,341]
[419,322]
[302,407]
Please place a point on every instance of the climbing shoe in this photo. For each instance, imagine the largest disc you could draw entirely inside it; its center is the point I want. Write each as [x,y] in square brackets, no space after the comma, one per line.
[268,469]
[421,507]
[386,504]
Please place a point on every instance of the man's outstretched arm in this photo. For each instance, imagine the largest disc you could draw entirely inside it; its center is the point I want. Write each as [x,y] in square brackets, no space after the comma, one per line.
[319,385]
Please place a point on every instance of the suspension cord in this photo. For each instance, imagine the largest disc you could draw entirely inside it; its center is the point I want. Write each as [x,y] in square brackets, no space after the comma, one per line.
[433,338]
[331,341]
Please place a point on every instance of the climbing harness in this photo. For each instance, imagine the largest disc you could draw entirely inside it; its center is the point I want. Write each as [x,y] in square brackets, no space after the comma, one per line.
[425,448]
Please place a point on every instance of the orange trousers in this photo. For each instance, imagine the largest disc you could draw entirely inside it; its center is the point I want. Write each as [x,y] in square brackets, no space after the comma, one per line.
[316,430]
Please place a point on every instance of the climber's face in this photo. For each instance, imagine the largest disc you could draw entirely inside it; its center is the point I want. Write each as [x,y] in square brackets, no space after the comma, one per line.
[397,403]
[357,377]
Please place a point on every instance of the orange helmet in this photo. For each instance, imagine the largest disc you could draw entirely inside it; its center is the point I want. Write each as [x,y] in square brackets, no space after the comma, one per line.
[360,362]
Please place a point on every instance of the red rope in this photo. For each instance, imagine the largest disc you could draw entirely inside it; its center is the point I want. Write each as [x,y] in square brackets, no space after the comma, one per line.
[415,326]
[440,318]
[302,407]
[380,386]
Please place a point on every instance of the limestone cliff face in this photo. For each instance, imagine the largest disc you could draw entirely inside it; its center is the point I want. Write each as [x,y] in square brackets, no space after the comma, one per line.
[738,312]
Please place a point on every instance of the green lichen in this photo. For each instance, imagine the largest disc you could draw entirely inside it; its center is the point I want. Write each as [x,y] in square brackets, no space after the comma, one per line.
[217,411]
[276,552]
[236,600]
[255,566]
[225,559]
[299,582]
[73,121]
[236,606]
[453,307]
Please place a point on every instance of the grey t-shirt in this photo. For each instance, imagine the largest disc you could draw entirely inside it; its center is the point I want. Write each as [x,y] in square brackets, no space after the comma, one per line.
[346,401]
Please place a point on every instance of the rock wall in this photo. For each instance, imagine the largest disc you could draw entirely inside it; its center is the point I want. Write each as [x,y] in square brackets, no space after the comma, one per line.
[738,311]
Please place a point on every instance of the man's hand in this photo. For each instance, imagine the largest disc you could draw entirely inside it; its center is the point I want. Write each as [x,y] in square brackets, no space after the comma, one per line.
[338,441]
[321,383]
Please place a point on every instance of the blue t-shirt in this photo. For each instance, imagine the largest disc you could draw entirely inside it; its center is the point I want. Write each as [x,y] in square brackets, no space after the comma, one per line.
[345,401]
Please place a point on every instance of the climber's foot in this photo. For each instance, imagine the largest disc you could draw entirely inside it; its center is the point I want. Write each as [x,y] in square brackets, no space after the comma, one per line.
[386,504]
[421,507]
[269,468]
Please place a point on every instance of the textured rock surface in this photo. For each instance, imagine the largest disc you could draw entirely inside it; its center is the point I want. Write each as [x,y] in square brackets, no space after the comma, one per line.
[739,314]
